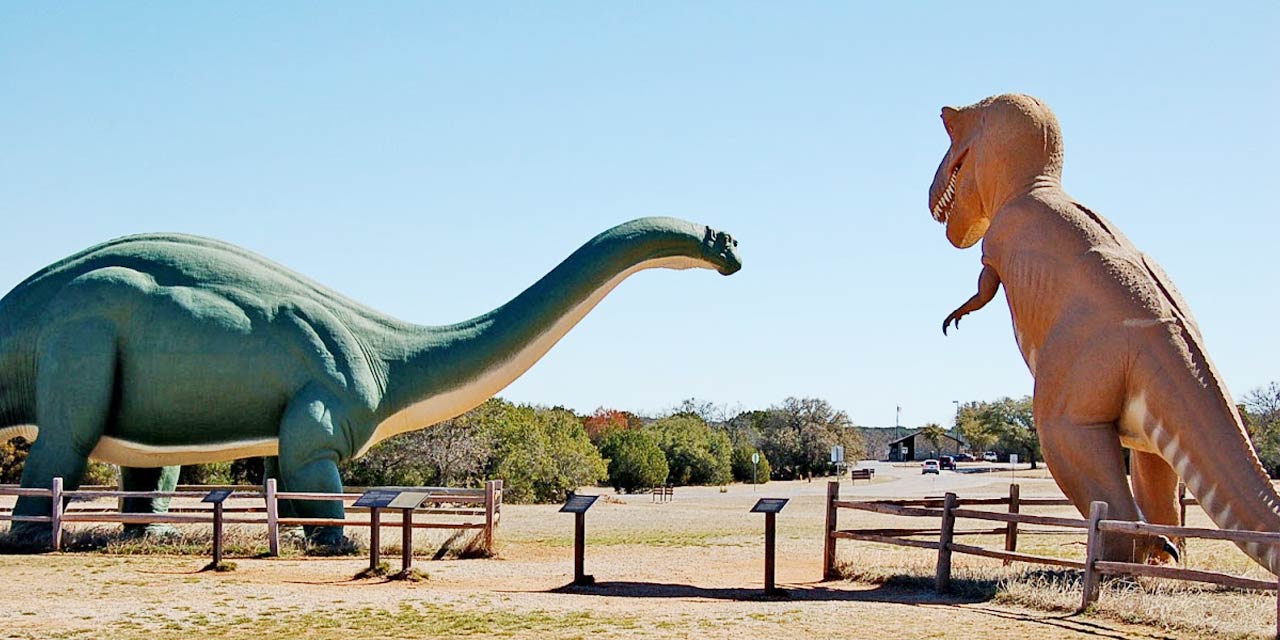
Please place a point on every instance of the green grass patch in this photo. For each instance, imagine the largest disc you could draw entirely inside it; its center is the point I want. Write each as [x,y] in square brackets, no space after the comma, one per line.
[410,620]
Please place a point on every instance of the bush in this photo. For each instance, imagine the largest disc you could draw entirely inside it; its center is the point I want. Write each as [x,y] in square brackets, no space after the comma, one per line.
[540,454]
[696,453]
[635,461]
[743,468]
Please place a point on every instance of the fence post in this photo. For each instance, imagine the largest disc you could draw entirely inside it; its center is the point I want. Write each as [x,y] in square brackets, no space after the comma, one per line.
[829,539]
[490,496]
[1011,529]
[1097,513]
[273,517]
[55,513]
[1182,504]
[942,581]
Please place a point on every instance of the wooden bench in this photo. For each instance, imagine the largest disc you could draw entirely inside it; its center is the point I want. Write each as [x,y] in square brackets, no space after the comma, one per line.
[861,474]
[663,493]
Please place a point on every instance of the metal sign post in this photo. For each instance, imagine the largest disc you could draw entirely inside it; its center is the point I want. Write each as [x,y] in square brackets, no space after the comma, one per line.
[770,508]
[375,501]
[217,498]
[578,505]
[406,502]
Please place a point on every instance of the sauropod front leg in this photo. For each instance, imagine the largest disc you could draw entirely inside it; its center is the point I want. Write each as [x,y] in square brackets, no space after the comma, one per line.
[74,385]
[311,443]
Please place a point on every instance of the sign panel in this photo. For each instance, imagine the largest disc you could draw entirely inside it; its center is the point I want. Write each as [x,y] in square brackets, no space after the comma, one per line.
[1013,458]
[408,500]
[377,498]
[837,453]
[578,504]
[755,458]
[217,496]
[769,505]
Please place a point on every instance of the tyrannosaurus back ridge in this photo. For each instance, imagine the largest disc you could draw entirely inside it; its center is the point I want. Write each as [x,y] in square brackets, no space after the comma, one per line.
[1118,360]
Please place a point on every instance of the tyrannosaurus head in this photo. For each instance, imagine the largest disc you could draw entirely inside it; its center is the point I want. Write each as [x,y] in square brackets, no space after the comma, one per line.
[999,148]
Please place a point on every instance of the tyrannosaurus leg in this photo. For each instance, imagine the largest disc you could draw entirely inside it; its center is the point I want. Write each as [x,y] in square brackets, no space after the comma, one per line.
[1088,465]
[1155,486]
[74,387]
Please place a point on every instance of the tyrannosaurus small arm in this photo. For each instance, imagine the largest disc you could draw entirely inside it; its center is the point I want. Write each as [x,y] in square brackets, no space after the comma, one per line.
[1117,359]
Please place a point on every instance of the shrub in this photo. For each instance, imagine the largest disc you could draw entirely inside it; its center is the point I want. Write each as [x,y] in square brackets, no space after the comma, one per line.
[635,460]
[743,468]
[541,454]
[696,453]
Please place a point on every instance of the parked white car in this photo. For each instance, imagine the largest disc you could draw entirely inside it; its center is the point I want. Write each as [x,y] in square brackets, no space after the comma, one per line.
[930,466]
[990,456]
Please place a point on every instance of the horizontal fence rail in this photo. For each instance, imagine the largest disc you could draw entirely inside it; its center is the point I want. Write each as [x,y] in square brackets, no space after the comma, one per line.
[480,508]
[951,508]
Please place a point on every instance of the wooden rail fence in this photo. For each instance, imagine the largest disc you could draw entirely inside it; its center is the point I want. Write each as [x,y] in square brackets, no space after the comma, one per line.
[478,508]
[950,508]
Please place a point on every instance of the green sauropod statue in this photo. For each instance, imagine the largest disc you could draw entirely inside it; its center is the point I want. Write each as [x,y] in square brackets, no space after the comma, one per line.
[155,351]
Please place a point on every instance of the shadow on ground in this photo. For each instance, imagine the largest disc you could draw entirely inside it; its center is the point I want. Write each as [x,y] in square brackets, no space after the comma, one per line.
[799,593]
[972,592]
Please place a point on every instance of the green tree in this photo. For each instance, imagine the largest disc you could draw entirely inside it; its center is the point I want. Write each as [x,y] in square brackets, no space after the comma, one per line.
[696,453]
[541,454]
[1008,423]
[797,435]
[1261,414]
[934,433]
[635,460]
[746,471]
[13,455]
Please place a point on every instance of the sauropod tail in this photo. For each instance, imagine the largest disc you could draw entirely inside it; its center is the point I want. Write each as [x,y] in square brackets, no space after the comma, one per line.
[1197,430]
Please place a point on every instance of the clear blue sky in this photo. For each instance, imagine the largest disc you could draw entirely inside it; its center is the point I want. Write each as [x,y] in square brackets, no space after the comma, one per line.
[432,160]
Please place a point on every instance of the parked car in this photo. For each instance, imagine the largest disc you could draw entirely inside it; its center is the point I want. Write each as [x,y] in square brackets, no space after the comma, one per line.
[990,456]
[963,457]
[947,462]
[929,466]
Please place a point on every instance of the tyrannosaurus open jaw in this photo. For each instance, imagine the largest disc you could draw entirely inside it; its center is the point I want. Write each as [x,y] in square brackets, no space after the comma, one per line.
[941,208]
[953,197]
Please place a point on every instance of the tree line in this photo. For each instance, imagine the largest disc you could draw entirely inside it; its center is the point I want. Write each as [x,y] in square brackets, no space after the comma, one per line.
[542,453]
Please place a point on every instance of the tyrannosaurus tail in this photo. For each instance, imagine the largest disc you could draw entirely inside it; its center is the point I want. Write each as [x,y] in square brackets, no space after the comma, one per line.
[1197,430]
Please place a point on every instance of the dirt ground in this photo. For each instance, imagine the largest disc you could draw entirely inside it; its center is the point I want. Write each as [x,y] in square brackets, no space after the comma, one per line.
[691,568]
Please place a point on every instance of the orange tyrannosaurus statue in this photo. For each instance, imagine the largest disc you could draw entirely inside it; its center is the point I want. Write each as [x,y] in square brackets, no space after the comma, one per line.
[1118,360]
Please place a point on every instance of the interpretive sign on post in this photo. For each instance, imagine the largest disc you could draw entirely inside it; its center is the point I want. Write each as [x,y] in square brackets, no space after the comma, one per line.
[770,508]
[217,497]
[376,500]
[769,505]
[578,505]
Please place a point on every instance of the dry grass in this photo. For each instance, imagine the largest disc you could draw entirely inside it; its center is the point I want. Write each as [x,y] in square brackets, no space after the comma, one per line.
[1178,608]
